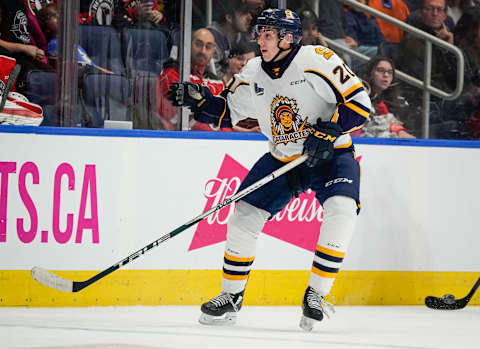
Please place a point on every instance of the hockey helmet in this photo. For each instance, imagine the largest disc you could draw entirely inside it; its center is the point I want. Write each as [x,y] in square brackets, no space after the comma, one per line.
[285,21]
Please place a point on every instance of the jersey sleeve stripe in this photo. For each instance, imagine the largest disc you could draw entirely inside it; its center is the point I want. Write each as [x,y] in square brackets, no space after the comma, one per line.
[240,83]
[223,113]
[352,94]
[335,116]
[358,108]
[336,91]
[230,83]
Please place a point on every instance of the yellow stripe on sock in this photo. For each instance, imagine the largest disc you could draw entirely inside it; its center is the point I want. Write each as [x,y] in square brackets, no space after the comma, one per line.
[239,259]
[330,252]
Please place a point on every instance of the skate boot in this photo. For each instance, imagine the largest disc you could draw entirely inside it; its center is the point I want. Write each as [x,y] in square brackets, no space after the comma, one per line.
[222,310]
[314,308]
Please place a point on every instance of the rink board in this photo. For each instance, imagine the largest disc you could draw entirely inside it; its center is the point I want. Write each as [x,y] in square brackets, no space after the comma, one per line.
[77,201]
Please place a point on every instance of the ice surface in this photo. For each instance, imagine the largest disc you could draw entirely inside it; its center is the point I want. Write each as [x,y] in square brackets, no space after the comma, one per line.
[174,327]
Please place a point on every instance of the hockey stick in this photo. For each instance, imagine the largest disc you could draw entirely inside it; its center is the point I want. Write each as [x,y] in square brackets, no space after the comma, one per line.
[52,280]
[448,302]
[9,84]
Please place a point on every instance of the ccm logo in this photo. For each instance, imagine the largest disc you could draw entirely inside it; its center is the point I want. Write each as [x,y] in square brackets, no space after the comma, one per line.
[338,180]
[298,82]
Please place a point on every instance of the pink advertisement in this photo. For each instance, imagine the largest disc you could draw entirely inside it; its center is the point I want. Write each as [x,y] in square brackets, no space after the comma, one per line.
[297,224]
[20,179]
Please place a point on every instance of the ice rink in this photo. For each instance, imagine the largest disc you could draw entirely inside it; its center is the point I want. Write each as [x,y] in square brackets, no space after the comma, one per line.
[174,327]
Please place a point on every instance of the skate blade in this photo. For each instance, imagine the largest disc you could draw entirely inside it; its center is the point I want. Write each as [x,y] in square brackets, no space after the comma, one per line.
[228,319]
[306,323]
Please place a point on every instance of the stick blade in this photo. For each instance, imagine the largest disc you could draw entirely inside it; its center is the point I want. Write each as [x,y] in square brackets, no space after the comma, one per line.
[439,303]
[52,280]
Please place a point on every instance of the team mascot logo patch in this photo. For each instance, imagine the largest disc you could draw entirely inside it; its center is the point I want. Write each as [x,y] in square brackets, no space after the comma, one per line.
[287,126]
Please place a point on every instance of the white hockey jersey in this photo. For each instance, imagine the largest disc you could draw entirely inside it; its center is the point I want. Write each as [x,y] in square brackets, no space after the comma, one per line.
[317,84]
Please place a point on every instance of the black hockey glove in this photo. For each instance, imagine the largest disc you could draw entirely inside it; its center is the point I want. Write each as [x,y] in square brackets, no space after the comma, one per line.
[319,144]
[192,95]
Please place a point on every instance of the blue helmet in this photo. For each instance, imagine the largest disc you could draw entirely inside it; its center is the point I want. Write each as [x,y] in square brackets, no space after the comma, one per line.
[285,21]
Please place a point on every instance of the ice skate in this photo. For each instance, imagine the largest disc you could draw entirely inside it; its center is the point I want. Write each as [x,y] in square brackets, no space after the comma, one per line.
[314,308]
[222,310]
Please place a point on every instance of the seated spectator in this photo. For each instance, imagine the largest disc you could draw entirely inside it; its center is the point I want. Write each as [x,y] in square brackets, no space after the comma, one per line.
[393,8]
[105,12]
[380,75]
[311,34]
[331,23]
[231,27]
[467,38]
[432,17]
[455,8]
[239,56]
[256,6]
[144,13]
[37,37]
[203,48]
[413,5]
[365,31]
[443,70]
[48,20]
[15,38]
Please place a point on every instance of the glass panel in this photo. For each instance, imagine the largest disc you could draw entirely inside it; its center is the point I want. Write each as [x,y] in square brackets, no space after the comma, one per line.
[128,54]
[24,45]
[221,43]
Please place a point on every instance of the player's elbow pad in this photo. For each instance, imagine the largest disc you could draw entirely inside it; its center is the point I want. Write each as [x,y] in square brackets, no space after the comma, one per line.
[215,111]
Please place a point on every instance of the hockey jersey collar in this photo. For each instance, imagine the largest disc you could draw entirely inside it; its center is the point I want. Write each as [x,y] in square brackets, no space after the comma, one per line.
[276,69]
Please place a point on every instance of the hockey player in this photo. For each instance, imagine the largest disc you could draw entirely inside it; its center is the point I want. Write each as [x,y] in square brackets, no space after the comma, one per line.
[306,100]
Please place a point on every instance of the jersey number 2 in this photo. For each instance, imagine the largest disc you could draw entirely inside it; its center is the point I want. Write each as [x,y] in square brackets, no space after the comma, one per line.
[344,76]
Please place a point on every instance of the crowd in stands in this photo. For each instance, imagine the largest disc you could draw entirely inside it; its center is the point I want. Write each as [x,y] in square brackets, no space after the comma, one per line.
[129,49]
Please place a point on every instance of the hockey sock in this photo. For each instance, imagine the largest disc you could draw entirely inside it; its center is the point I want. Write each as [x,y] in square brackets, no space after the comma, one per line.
[339,216]
[243,229]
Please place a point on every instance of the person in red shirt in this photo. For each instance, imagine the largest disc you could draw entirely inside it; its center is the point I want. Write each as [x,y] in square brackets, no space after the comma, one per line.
[203,48]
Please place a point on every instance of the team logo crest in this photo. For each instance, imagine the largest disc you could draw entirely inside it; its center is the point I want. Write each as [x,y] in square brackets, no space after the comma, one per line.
[287,126]
[19,27]
[36,5]
[102,11]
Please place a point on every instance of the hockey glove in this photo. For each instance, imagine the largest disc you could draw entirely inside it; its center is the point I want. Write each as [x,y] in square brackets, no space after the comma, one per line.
[192,95]
[319,144]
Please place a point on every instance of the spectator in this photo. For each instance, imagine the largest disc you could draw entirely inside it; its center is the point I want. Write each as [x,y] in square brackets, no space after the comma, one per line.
[232,27]
[48,20]
[443,70]
[455,8]
[239,56]
[144,13]
[311,34]
[331,23]
[256,6]
[37,37]
[467,38]
[393,8]
[104,12]
[432,17]
[15,38]
[413,5]
[365,31]
[203,48]
[380,76]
